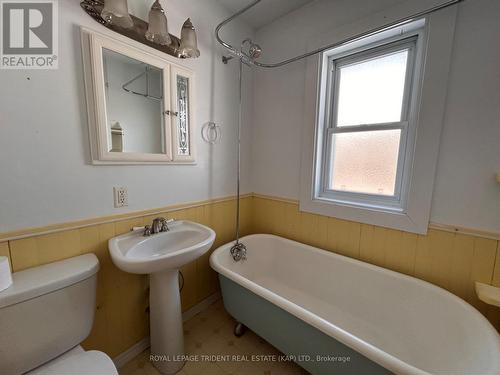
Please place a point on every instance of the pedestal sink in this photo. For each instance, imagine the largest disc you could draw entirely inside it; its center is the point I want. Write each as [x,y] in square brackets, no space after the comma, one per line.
[161,255]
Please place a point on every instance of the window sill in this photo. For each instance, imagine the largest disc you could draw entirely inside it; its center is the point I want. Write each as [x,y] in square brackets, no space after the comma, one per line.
[367,214]
[363,201]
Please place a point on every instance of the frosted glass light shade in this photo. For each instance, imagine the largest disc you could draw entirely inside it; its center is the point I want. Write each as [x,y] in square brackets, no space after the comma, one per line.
[115,12]
[189,43]
[158,26]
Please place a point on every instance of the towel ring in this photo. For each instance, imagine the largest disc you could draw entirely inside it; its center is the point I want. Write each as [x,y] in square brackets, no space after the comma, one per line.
[211,133]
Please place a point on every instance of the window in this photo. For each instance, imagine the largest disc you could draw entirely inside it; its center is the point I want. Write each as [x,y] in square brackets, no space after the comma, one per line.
[373,119]
[369,93]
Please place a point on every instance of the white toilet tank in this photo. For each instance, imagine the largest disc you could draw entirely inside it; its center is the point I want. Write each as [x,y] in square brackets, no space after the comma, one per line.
[47,311]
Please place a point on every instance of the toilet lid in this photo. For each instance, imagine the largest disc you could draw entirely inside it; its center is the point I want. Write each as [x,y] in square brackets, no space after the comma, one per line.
[91,362]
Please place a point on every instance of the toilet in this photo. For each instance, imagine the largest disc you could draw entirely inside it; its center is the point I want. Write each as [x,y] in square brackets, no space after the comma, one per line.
[45,315]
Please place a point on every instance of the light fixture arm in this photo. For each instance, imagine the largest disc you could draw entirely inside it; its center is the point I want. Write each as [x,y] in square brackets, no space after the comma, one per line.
[354,38]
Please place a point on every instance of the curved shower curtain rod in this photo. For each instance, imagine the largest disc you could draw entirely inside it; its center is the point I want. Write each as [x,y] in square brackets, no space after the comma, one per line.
[250,61]
[238,250]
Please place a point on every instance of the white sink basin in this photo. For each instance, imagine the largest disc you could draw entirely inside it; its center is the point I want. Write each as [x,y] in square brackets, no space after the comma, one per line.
[183,243]
[161,255]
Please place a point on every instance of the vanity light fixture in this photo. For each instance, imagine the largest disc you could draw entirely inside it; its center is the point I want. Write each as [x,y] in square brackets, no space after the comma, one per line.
[158,26]
[189,43]
[116,12]
[114,15]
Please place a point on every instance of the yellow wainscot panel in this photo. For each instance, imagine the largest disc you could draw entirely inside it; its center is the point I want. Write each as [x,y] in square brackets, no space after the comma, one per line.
[122,227]
[400,251]
[349,234]
[332,236]
[461,265]
[307,227]
[379,246]
[276,212]
[423,257]
[58,246]
[89,239]
[246,216]
[292,222]
[260,216]
[372,244]
[322,239]
[442,253]
[134,296]
[207,282]
[23,253]
[189,290]
[203,214]
[5,251]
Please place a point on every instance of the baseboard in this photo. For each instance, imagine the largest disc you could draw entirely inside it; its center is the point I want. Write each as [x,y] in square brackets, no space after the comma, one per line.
[123,358]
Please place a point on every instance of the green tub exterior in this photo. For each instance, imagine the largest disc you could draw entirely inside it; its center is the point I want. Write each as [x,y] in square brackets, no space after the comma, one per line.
[310,348]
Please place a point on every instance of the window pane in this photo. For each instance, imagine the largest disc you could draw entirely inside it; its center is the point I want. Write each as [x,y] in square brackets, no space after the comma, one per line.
[372,91]
[365,162]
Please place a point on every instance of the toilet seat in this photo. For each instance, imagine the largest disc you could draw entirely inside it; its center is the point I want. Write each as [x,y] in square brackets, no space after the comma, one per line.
[84,363]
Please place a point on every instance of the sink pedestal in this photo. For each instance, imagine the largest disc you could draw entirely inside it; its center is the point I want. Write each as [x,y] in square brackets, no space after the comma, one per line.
[167,335]
[160,256]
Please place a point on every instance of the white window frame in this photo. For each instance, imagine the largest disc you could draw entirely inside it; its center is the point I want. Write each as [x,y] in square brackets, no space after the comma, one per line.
[410,209]
[407,124]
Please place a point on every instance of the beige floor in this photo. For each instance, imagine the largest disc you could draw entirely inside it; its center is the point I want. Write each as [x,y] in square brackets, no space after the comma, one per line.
[211,333]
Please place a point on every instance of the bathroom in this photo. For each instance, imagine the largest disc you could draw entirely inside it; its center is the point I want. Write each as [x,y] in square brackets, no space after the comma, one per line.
[228,187]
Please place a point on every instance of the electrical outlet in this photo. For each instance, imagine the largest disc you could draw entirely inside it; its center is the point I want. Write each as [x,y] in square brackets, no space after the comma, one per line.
[121,196]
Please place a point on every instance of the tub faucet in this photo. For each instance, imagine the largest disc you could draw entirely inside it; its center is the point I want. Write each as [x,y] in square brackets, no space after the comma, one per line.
[239,252]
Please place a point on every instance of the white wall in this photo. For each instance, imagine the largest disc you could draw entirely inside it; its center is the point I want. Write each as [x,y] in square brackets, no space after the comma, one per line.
[46,176]
[465,192]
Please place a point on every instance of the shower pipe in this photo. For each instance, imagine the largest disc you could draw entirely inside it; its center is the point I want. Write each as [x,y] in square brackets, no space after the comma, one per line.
[238,250]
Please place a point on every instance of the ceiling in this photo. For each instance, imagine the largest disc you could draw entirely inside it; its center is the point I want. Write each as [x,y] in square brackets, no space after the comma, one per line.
[265,12]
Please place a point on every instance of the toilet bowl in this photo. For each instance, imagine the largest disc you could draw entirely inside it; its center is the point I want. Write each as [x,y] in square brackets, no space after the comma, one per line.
[45,315]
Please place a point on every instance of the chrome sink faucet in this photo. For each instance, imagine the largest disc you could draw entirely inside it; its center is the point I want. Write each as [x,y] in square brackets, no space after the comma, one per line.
[159,225]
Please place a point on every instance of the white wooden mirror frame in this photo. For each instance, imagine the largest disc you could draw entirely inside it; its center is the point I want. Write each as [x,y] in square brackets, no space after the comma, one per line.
[93,44]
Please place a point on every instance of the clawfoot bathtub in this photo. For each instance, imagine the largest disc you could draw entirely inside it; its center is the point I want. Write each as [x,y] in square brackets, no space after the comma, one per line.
[333,314]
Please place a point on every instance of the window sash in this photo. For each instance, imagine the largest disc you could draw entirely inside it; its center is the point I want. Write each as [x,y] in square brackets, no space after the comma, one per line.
[371,54]
[375,201]
[389,201]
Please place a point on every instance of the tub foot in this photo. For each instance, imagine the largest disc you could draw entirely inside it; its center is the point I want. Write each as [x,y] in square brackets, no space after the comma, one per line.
[239,329]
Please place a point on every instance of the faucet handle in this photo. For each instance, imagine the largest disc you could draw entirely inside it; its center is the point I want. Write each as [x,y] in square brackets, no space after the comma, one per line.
[147,230]
[164,226]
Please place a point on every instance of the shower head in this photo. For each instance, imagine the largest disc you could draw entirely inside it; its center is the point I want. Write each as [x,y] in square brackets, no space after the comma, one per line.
[248,58]
[254,50]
